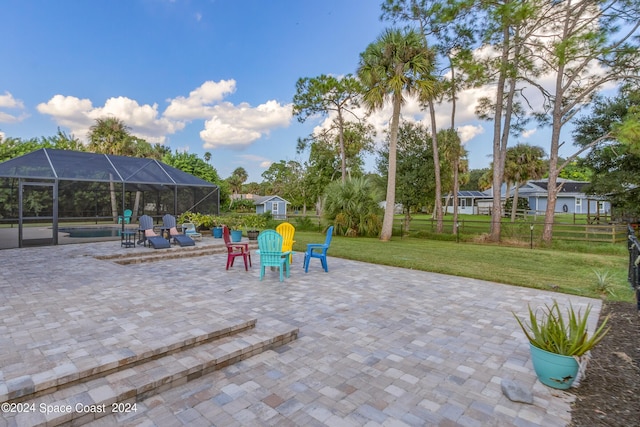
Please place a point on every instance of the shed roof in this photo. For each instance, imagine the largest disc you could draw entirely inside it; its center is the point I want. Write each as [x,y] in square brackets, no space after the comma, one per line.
[261,200]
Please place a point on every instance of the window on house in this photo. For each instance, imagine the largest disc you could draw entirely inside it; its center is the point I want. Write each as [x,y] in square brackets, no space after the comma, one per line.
[274,209]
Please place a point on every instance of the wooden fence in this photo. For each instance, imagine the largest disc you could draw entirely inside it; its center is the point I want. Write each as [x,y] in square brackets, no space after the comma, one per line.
[519,230]
[522,230]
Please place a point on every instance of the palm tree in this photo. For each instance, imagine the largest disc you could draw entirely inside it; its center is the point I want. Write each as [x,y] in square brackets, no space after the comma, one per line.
[235,181]
[397,63]
[352,207]
[110,135]
[241,173]
[454,154]
[523,162]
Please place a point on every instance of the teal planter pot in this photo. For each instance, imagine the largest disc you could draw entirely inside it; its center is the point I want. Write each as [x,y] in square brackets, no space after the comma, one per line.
[236,235]
[554,370]
[217,232]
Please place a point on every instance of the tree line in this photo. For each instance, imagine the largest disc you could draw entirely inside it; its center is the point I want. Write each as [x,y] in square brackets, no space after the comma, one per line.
[545,62]
[540,62]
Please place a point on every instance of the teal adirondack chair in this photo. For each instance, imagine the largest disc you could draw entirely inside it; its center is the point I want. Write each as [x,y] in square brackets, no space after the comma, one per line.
[271,253]
[126,217]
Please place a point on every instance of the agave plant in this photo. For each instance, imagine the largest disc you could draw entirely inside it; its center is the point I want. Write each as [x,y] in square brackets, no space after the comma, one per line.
[552,332]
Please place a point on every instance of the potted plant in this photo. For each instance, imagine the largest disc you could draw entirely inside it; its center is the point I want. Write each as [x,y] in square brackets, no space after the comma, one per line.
[214,223]
[235,224]
[253,223]
[559,345]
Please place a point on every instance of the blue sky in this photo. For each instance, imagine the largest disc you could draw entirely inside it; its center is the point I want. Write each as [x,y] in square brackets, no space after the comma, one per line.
[208,75]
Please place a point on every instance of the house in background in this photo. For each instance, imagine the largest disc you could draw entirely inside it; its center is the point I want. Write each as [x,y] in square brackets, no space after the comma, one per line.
[470,203]
[274,204]
[571,198]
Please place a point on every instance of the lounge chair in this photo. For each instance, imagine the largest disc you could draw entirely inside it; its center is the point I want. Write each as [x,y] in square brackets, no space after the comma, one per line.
[189,229]
[169,222]
[146,226]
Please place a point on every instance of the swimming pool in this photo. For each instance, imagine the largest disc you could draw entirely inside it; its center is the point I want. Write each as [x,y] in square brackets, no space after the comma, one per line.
[91,231]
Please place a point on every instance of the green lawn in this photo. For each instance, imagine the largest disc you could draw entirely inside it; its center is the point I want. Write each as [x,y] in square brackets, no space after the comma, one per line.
[562,270]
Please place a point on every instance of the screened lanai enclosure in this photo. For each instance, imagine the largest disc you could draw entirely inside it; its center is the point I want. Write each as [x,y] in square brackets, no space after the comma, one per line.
[47,190]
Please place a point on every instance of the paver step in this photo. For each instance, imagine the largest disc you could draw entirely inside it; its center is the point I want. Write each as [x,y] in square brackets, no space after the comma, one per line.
[57,377]
[170,253]
[122,388]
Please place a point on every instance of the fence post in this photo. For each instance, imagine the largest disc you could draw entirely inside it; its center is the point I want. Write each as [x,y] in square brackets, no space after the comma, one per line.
[531,236]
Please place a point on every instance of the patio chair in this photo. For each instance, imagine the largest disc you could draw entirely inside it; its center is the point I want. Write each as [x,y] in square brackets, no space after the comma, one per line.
[322,254]
[146,226]
[271,253]
[235,250]
[189,229]
[169,222]
[287,231]
[126,217]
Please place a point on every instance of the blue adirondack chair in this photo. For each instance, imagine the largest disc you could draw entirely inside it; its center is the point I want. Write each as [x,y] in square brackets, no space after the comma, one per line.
[169,223]
[271,253]
[321,254]
[146,226]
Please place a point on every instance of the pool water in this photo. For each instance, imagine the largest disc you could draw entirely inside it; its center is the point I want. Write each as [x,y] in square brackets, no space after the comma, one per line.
[91,232]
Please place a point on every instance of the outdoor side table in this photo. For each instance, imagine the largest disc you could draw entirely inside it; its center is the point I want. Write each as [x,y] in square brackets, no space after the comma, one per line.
[127,238]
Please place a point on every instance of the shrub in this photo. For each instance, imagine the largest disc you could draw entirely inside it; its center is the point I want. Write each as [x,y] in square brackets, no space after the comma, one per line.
[304,223]
[352,208]
[552,332]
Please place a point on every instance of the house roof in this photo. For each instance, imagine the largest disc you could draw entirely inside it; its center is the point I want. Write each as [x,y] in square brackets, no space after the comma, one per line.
[541,186]
[50,164]
[261,200]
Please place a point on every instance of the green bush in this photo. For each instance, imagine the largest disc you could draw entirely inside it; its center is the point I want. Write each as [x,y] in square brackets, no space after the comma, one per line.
[350,206]
[254,221]
[304,223]
[523,205]
[243,206]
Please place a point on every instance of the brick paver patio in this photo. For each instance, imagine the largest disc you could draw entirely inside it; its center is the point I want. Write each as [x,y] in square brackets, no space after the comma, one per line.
[377,345]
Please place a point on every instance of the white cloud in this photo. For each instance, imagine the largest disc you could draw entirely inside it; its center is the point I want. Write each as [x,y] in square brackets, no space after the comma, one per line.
[527,133]
[468,132]
[143,120]
[70,112]
[253,159]
[79,115]
[199,103]
[238,126]
[7,101]
[412,111]
[226,124]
